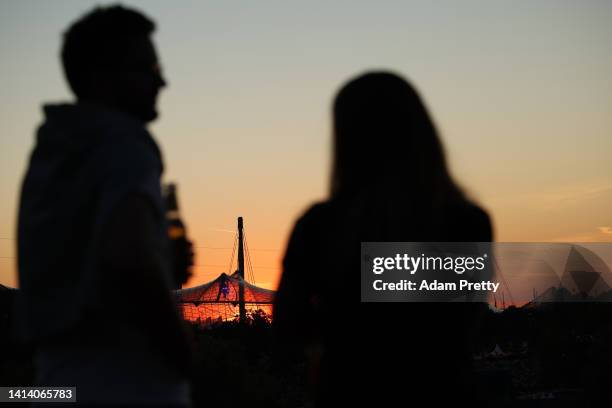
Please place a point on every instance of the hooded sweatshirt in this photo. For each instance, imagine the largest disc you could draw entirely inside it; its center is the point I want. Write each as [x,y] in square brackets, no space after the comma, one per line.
[85,161]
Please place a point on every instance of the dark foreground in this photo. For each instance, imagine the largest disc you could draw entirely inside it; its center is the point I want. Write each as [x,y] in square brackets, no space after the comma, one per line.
[558,355]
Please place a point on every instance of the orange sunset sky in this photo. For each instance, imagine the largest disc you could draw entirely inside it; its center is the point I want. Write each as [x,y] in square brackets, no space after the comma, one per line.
[521,92]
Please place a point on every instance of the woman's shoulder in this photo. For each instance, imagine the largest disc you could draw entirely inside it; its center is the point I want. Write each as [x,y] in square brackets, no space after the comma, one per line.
[315,215]
[328,213]
[316,211]
[470,221]
[470,210]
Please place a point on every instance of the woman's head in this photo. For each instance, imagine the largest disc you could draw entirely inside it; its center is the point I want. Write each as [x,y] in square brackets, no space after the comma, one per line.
[385,141]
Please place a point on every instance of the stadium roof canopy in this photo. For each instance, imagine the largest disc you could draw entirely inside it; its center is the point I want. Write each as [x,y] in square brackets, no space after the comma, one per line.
[218,300]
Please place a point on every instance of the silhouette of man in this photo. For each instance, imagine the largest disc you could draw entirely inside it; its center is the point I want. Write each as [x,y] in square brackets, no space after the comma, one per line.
[93,253]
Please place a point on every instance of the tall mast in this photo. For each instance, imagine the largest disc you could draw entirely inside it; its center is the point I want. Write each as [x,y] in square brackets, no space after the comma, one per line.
[241,271]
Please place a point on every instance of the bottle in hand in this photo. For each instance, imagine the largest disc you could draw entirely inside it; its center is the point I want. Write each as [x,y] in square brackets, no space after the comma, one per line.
[181,247]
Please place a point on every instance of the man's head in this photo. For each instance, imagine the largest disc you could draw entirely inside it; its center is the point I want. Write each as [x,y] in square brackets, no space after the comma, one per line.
[109,59]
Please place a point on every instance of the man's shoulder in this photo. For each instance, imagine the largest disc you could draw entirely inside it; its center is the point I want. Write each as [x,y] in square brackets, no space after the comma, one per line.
[127,148]
[106,137]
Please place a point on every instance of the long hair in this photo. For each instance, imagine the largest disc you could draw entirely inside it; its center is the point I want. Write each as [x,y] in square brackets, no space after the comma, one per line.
[387,156]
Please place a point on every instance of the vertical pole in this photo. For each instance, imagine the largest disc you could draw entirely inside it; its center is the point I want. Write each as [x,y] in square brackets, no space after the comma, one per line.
[241,271]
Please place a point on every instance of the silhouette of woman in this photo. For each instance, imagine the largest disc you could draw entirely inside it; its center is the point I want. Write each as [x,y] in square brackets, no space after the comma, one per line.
[389,182]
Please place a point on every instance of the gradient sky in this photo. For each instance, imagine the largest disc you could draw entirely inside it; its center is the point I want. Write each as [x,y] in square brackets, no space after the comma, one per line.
[521,92]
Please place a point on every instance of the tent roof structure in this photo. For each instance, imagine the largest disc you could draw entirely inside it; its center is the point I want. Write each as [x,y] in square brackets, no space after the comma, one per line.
[224,289]
[228,297]
[218,300]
